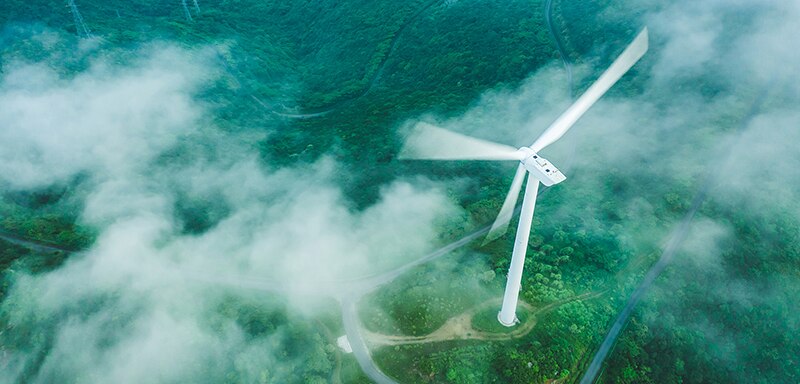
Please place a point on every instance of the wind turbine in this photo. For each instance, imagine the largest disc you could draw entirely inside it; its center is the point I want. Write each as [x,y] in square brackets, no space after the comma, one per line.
[429,142]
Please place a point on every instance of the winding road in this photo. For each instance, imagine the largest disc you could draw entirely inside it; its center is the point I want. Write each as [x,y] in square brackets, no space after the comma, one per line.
[548,10]
[35,246]
[676,238]
[352,327]
[379,72]
[372,83]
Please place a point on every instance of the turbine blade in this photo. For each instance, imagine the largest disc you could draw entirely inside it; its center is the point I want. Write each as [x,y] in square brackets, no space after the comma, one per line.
[429,142]
[619,67]
[500,225]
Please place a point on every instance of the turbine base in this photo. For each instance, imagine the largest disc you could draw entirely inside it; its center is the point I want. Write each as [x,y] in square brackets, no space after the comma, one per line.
[511,324]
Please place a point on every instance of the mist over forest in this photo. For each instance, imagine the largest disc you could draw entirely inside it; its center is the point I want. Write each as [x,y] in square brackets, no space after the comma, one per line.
[211,192]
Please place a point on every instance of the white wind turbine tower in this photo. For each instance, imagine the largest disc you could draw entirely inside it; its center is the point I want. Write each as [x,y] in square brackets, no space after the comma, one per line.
[428,142]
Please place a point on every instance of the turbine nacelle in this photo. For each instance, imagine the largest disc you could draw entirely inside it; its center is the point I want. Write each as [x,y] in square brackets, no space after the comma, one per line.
[540,168]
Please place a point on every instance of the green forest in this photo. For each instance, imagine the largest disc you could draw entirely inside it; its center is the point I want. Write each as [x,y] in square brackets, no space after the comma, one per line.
[302,82]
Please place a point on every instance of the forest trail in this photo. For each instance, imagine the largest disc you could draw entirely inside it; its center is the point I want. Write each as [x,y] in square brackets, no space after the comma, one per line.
[460,326]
